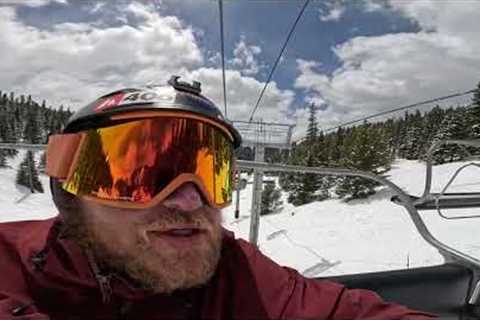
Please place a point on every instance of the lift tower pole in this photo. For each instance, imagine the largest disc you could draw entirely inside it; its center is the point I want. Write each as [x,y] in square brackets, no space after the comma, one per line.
[261,135]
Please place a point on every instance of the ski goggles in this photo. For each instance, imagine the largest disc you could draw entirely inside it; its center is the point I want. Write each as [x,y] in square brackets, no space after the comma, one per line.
[139,162]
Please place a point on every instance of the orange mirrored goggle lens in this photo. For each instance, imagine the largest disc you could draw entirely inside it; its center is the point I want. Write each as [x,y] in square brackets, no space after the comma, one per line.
[136,160]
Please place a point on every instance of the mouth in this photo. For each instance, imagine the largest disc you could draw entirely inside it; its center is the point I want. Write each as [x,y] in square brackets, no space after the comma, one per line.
[178,232]
[178,237]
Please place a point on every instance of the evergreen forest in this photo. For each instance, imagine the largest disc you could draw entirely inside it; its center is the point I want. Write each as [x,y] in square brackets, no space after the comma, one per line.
[23,120]
[372,147]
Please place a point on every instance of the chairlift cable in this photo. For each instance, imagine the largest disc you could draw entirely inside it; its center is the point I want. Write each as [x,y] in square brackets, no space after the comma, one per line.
[459,94]
[222,49]
[278,59]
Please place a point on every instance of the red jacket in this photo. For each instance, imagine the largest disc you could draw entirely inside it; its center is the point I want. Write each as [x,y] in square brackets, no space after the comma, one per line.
[43,276]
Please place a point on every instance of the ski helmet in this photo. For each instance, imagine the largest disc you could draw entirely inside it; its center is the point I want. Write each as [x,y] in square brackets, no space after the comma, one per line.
[176,96]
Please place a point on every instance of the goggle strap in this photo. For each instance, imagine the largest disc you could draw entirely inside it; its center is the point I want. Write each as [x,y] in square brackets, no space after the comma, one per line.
[61,152]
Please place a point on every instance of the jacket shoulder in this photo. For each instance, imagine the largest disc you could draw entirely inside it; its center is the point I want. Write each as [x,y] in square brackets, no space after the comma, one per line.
[18,240]
[258,281]
[283,292]
[287,294]
[21,239]
[19,233]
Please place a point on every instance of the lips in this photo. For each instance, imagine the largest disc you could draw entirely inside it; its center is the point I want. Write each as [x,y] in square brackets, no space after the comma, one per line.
[177,236]
[182,232]
[180,238]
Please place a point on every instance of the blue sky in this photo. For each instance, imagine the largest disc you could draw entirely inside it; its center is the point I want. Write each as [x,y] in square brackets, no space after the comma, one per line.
[351,58]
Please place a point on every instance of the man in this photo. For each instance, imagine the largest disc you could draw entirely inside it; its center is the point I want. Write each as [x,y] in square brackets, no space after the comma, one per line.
[139,177]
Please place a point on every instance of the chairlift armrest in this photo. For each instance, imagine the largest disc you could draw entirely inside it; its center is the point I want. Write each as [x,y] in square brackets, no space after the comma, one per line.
[445,201]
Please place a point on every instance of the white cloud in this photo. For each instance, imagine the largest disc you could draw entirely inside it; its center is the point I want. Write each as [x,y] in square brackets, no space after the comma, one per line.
[453,18]
[74,63]
[333,12]
[214,58]
[78,61]
[382,72]
[145,11]
[242,94]
[97,7]
[373,5]
[31,3]
[245,57]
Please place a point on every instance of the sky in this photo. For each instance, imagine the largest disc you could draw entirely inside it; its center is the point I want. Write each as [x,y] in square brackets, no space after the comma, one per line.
[350,58]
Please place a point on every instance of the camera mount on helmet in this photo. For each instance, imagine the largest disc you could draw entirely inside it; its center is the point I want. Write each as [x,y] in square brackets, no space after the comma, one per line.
[195,87]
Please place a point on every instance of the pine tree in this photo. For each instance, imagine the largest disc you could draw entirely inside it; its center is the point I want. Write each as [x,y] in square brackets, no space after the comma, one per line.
[413,137]
[336,149]
[365,149]
[32,131]
[7,123]
[404,125]
[474,114]
[22,174]
[288,181]
[390,128]
[453,127]
[27,174]
[411,147]
[3,122]
[431,125]
[310,182]
[270,199]
[18,119]
[325,182]
[312,129]
[3,159]
[303,187]
[43,162]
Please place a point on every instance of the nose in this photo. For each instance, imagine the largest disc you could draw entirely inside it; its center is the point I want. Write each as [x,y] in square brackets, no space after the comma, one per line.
[186,198]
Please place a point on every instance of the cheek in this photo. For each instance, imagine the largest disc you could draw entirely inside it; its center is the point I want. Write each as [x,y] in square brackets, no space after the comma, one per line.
[215,217]
[112,229]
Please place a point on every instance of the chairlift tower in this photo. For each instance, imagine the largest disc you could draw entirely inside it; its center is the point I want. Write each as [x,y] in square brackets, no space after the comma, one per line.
[260,135]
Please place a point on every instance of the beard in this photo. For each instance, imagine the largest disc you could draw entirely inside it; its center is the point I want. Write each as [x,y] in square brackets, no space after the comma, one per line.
[128,251]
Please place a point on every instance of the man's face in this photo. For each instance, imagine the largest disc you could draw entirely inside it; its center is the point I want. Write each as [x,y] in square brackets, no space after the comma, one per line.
[175,245]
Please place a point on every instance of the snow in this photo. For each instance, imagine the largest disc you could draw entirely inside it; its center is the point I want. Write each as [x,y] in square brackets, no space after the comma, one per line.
[333,237]
[17,203]
[323,238]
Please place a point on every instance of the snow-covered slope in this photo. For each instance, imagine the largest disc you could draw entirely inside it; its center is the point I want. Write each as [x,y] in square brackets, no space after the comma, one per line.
[16,202]
[333,237]
[322,238]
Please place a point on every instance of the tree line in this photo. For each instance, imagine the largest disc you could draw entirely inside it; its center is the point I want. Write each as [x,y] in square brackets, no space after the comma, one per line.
[23,120]
[373,147]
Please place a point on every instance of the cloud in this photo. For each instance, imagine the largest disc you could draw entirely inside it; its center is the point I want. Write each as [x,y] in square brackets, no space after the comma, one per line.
[242,94]
[245,57]
[31,3]
[373,5]
[450,18]
[214,58]
[74,63]
[79,61]
[382,72]
[97,7]
[333,12]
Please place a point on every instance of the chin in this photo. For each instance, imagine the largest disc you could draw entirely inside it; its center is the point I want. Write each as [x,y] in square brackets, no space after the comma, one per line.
[179,271]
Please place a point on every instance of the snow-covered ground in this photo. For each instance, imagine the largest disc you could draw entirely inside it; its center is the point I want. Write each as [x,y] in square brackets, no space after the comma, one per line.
[329,237]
